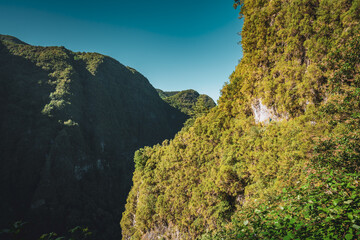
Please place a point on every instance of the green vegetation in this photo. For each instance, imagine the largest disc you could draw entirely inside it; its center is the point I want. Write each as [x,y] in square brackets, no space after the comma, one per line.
[69,125]
[230,177]
[189,101]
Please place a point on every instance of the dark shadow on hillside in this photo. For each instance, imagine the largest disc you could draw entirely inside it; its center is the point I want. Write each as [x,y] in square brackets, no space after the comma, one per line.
[25,134]
[73,166]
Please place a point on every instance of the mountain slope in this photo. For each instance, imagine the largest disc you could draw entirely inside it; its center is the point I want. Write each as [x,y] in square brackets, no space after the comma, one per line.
[69,125]
[278,158]
[189,101]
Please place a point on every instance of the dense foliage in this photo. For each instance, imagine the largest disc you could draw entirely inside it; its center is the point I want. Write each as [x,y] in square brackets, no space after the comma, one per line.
[69,125]
[189,101]
[230,177]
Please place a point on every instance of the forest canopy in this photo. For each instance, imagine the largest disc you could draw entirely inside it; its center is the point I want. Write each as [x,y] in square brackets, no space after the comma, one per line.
[294,176]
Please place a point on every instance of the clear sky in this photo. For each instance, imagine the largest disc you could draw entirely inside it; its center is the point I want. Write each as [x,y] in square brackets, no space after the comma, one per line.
[177,45]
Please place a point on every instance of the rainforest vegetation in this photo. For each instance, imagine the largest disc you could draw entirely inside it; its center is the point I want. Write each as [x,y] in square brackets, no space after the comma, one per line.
[230,176]
[189,101]
[277,158]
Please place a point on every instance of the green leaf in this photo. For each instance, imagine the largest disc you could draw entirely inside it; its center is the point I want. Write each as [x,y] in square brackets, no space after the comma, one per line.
[298,226]
[43,236]
[289,236]
[356,226]
[348,236]
[348,201]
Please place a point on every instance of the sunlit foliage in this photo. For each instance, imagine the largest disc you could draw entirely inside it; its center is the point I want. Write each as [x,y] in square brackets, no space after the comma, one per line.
[227,177]
[189,101]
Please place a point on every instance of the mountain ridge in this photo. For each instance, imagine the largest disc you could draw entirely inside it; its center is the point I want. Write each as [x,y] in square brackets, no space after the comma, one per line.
[188,101]
[70,123]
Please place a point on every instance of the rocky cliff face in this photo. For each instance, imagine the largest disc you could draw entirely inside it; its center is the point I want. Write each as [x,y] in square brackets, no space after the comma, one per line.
[69,125]
[280,154]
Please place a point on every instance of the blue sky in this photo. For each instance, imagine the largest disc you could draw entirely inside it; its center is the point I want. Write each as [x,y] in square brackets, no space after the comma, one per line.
[177,45]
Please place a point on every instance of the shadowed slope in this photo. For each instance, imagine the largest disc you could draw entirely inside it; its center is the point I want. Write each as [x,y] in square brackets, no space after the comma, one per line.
[69,125]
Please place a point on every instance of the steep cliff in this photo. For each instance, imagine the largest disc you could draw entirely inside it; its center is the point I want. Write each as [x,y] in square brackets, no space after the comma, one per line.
[69,125]
[279,157]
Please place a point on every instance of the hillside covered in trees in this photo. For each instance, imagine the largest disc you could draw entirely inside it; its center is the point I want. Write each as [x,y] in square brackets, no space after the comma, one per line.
[189,101]
[69,125]
[279,157]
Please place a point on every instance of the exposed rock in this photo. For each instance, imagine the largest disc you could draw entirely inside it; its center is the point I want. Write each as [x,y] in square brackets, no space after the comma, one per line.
[264,114]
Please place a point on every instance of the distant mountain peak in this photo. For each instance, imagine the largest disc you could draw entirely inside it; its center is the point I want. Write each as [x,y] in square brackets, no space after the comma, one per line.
[188,101]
